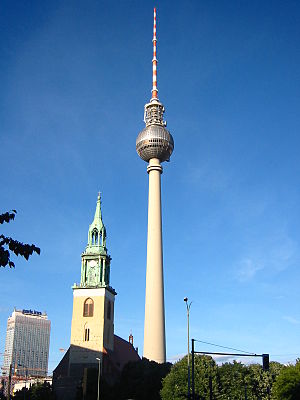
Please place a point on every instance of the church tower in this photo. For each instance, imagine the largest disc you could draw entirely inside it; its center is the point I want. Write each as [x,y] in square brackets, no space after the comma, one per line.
[92,332]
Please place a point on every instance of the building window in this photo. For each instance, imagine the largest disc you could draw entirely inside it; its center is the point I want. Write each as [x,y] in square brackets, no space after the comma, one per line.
[86,334]
[95,237]
[88,308]
[109,310]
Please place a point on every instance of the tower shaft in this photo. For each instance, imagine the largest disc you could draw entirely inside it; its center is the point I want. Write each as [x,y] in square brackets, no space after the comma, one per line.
[154,145]
[154,329]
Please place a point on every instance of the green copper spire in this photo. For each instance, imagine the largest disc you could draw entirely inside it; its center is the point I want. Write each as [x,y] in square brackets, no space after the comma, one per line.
[95,265]
[97,232]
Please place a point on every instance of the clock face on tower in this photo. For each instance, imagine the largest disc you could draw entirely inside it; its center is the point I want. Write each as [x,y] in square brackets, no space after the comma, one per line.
[92,273]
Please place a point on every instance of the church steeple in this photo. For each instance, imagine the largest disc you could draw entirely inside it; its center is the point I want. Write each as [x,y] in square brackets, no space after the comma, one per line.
[95,265]
[97,232]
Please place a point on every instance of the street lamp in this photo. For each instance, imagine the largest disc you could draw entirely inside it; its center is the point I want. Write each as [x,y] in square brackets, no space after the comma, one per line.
[99,372]
[188,306]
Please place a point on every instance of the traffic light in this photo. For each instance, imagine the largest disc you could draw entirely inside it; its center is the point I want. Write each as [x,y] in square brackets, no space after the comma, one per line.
[265,361]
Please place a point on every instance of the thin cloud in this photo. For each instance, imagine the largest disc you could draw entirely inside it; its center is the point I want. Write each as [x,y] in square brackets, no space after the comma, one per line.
[275,253]
[176,357]
[208,176]
[5,310]
[219,359]
[292,320]
[248,269]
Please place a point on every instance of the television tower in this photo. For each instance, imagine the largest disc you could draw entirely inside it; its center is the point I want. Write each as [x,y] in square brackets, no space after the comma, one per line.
[154,145]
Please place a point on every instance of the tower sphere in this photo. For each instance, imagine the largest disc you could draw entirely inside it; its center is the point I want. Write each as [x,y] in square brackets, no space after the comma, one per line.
[155,141]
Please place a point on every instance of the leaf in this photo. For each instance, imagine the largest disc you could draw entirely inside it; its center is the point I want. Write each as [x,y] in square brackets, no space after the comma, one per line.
[4,257]
[23,249]
[8,216]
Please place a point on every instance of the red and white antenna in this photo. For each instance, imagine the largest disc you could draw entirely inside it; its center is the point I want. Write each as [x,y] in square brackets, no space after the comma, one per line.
[154,62]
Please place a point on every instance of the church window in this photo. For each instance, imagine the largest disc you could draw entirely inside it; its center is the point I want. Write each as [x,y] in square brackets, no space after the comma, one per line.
[95,237]
[109,310]
[88,308]
[87,335]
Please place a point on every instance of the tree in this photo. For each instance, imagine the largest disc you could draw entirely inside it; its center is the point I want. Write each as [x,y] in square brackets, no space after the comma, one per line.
[287,384]
[139,380]
[22,394]
[175,384]
[38,391]
[142,380]
[234,380]
[8,244]
[2,396]
[260,382]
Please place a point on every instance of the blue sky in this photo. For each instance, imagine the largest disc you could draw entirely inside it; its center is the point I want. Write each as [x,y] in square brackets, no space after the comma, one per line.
[75,76]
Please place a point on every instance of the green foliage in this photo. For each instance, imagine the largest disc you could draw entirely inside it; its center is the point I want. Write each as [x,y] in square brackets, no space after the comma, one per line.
[142,380]
[175,384]
[2,384]
[22,394]
[287,385]
[260,382]
[233,380]
[8,244]
[229,381]
[39,391]
[139,380]
[8,216]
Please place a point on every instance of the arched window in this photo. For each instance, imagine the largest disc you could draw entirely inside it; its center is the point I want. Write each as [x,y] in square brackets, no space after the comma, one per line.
[95,237]
[88,308]
[109,310]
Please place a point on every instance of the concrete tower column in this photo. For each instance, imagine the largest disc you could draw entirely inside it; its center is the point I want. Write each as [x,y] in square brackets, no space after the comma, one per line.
[154,145]
[154,329]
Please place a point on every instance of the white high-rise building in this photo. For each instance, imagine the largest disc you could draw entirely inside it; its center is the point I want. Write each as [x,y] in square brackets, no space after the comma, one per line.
[27,343]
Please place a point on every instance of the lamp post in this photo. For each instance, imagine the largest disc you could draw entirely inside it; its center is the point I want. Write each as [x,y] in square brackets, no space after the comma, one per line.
[99,372]
[188,306]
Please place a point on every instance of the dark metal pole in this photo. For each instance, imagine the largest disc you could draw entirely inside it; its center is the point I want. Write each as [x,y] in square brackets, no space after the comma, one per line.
[188,306]
[188,333]
[99,373]
[193,369]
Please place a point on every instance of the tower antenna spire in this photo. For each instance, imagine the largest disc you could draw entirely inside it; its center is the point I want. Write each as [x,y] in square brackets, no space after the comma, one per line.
[154,61]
